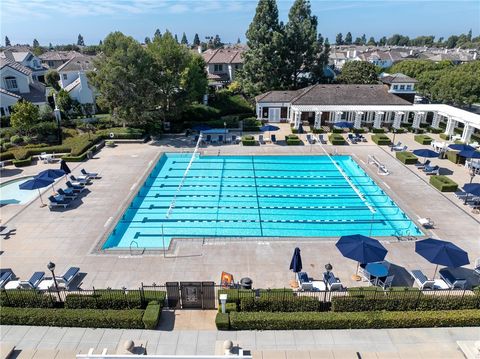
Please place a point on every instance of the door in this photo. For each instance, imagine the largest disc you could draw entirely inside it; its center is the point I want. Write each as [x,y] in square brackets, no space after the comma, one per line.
[191,294]
[274,114]
[173,295]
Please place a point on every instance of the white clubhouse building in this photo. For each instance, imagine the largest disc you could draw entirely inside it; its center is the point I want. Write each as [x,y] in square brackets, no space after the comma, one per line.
[374,106]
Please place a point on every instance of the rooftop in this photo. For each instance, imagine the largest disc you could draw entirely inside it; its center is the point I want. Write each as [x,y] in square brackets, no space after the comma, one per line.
[77,63]
[59,55]
[223,56]
[397,78]
[4,62]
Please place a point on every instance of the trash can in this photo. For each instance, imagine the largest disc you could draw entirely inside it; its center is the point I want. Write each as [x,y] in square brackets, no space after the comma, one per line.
[246,283]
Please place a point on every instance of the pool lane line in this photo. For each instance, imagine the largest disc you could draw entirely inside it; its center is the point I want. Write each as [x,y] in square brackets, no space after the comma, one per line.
[256,197]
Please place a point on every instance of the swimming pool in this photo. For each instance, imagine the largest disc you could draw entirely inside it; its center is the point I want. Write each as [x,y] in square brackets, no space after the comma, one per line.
[10,193]
[257,196]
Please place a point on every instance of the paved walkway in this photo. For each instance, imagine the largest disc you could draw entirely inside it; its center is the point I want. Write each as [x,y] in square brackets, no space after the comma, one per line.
[429,343]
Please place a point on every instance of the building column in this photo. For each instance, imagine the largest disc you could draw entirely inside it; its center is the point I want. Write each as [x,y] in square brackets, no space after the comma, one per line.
[338,116]
[436,120]
[296,124]
[377,121]
[397,120]
[358,120]
[467,133]
[318,120]
[417,119]
[259,111]
[450,126]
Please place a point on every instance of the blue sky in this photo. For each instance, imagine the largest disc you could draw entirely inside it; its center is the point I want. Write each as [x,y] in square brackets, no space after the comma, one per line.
[61,21]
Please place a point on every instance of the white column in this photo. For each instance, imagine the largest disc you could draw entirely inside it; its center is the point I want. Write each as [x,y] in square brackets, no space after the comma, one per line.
[450,126]
[259,111]
[358,120]
[436,120]
[338,116]
[417,119]
[397,120]
[467,133]
[318,120]
[377,121]
[298,115]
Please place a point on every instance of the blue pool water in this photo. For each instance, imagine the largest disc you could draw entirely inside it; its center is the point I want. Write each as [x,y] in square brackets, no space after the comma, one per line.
[257,196]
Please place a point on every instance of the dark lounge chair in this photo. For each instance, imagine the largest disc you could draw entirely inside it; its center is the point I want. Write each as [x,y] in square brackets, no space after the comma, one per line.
[68,277]
[452,280]
[54,203]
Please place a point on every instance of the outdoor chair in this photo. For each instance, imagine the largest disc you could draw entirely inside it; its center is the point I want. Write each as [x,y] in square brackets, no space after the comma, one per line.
[422,165]
[399,144]
[387,282]
[82,181]
[91,175]
[422,281]
[332,282]
[477,266]
[428,170]
[400,149]
[32,283]
[70,195]
[260,139]
[351,138]
[310,139]
[321,140]
[304,282]
[426,222]
[273,138]
[68,277]
[55,203]
[360,137]
[452,280]
[5,276]
[74,188]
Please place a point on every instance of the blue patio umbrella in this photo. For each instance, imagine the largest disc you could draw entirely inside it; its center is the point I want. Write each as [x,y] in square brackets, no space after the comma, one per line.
[51,174]
[296,262]
[460,147]
[425,153]
[269,128]
[201,127]
[343,124]
[361,249]
[36,183]
[441,252]
[469,154]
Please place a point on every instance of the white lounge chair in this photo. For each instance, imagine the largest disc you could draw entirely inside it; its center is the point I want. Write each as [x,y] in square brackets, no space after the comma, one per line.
[32,283]
[304,282]
[332,282]
[260,139]
[68,277]
[387,283]
[5,276]
[421,279]
[426,222]
[90,175]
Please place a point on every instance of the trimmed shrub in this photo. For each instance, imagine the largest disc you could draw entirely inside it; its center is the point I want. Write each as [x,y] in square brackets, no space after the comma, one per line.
[229,307]
[281,304]
[340,130]
[105,299]
[378,130]
[28,299]
[200,113]
[435,130]
[443,183]
[293,140]
[16,139]
[235,295]
[444,136]
[251,124]
[337,139]
[249,141]
[381,140]
[152,315]
[407,158]
[222,321]
[122,133]
[318,130]
[453,156]
[93,318]
[229,104]
[423,139]
[353,320]
[22,163]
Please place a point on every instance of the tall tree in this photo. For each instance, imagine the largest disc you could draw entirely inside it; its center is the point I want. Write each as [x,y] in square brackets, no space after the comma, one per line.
[339,39]
[371,41]
[7,41]
[348,38]
[196,40]
[382,41]
[238,41]
[157,34]
[24,117]
[301,44]
[123,78]
[358,72]
[358,41]
[364,39]
[35,43]
[184,40]
[176,38]
[100,43]
[469,35]
[51,78]
[147,40]
[80,41]
[321,60]
[217,42]
[50,46]
[262,59]
[451,42]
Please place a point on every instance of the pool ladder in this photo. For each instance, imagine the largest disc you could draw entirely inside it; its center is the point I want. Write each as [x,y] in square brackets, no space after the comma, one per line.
[136,243]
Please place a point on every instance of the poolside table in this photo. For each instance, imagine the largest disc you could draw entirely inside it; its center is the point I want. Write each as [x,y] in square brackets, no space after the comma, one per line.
[377,270]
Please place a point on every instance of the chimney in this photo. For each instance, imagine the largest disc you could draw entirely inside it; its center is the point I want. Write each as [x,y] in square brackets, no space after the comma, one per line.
[411,52]
[199,49]
[348,53]
[354,53]
[474,55]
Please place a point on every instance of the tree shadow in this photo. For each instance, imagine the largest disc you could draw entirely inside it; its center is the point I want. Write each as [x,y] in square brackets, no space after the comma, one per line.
[9,172]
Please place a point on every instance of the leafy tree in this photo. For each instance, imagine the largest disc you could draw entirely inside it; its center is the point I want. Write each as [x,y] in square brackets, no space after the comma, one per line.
[147,40]
[358,41]
[184,40]
[262,59]
[321,60]
[238,41]
[194,79]
[124,79]
[51,78]
[64,101]
[415,68]
[469,35]
[440,40]
[157,34]
[176,38]
[217,42]
[348,38]
[371,42]
[358,72]
[36,43]
[451,42]
[196,40]
[398,40]
[50,46]
[100,43]
[80,41]
[382,41]
[300,44]
[339,39]
[7,41]
[24,117]
[364,39]
[327,42]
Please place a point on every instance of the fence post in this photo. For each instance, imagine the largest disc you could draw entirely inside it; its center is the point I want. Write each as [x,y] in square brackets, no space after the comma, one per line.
[142,295]
[420,293]
[6,295]
[50,295]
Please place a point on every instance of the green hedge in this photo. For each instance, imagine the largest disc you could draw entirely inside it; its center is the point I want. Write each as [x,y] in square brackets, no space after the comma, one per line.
[443,183]
[22,163]
[152,315]
[222,321]
[318,130]
[406,157]
[293,140]
[435,130]
[337,139]
[381,140]
[249,140]
[114,299]
[92,318]
[281,304]
[23,298]
[423,139]
[444,136]
[404,302]
[235,295]
[353,320]
[453,156]
[378,130]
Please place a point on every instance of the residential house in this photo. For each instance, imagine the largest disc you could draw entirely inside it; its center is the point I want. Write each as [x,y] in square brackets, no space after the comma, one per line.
[74,80]
[222,64]
[400,85]
[16,82]
[55,59]
[29,60]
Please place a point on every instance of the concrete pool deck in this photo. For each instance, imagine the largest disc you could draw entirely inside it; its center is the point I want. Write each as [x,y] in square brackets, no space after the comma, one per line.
[69,238]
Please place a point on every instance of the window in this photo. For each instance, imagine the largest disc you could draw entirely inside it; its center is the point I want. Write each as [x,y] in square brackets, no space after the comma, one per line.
[64,76]
[2,111]
[218,67]
[408,87]
[402,87]
[50,64]
[11,83]
[395,87]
